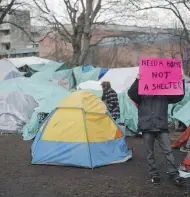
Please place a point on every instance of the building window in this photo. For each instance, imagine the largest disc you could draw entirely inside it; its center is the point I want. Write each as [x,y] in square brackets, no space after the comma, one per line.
[6,46]
[6,32]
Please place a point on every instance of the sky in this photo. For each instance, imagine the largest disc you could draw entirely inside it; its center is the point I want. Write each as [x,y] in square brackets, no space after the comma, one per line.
[155,18]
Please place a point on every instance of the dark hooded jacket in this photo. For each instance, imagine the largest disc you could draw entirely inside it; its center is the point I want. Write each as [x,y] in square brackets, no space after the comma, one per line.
[152,110]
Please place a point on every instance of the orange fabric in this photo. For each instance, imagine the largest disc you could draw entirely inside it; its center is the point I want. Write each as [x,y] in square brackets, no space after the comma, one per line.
[180,142]
[186,162]
[134,103]
[118,134]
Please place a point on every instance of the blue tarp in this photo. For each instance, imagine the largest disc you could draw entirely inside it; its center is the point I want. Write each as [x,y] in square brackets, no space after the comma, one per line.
[81,76]
[87,68]
[103,71]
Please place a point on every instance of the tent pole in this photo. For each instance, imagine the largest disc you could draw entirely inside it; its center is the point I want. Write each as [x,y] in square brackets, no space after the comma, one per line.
[84,118]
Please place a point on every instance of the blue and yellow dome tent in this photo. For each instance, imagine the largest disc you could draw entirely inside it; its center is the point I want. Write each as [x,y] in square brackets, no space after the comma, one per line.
[80,132]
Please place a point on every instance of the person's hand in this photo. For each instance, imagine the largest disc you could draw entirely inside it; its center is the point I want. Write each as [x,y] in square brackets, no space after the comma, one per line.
[138,76]
[183,76]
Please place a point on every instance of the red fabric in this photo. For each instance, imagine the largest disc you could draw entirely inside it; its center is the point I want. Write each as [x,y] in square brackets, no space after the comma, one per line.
[186,162]
[180,142]
[134,103]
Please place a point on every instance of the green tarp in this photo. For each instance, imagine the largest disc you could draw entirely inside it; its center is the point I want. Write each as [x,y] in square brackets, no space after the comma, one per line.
[47,94]
[59,75]
[81,76]
[181,110]
[51,66]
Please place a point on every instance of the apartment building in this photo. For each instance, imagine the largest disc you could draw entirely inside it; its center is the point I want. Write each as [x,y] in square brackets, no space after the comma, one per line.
[14,42]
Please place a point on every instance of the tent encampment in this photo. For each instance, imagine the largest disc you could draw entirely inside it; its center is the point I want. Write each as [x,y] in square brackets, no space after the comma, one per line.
[7,70]
[80,132]
[37,64]
[16,109]
[125,77]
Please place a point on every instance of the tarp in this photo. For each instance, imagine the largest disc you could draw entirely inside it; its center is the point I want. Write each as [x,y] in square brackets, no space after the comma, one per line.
[7,70]
[59,75]
[182,139]
[103,71]
[93,85]
[87,68]
[37,64]
[50,66]
[181,110]
[47,94]
[21,61]
[12,75]
[81,76]
[120,79]
[16,109]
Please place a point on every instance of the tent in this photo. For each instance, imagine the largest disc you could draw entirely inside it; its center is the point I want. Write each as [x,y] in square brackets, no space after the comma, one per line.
[21,61]
[7,70]
[15,111]
[80,132]
[125,77]
[37,64]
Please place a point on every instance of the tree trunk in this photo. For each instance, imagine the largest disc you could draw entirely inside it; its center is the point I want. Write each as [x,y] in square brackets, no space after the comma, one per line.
[87,32]
[75,56]
[85,49]
[76,40]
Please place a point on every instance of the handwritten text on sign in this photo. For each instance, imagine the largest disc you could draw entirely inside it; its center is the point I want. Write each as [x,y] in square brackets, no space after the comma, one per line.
[160,77]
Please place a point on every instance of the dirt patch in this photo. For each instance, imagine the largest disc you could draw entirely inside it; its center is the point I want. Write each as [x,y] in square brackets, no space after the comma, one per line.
[20,179]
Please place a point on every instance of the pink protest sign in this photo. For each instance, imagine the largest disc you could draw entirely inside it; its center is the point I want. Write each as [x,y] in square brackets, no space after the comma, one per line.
[160,76]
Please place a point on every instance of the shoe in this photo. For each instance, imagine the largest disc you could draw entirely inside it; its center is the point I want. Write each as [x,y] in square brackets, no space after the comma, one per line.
[184,150]
[179,181]
[155,180]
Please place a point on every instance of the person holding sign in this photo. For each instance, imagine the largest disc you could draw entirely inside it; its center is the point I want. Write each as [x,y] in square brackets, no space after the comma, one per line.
[153,92]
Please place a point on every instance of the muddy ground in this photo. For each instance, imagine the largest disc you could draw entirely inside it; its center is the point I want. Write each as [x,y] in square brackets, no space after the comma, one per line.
[20,179]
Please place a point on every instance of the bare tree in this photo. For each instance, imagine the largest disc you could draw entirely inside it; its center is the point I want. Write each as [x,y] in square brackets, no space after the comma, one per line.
[83,16]
[181,11]
[6,7]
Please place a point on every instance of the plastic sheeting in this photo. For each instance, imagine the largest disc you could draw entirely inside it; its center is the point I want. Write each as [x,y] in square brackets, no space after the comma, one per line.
[181,110]
[50,66]
[6,68]
[16,109]
[93,85]
[59,75]
[87,68]
[103,71]
[21,61]
[12,75]
[81,76]
[47,94]
[120,79]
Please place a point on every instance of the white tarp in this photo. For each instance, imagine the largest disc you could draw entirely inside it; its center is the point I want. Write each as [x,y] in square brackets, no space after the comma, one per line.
[16,109]
[6,68]
[120,79]
[90,85]
[20,62]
